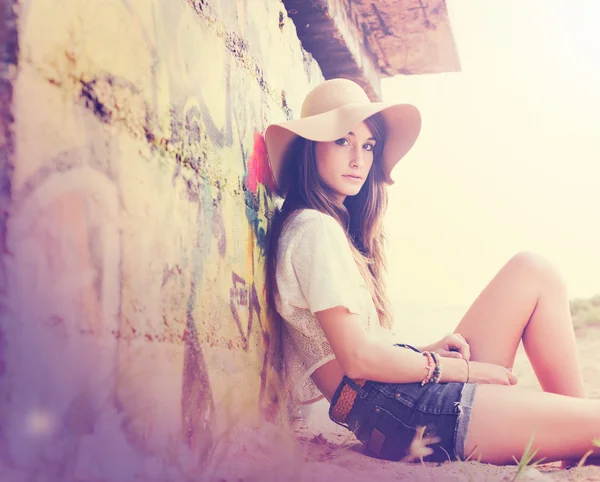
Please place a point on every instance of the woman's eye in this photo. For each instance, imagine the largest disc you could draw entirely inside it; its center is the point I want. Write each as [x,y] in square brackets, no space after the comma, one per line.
[341,142]
[368,147]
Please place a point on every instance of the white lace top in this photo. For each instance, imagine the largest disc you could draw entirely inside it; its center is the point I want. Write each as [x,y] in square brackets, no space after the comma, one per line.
[315,271]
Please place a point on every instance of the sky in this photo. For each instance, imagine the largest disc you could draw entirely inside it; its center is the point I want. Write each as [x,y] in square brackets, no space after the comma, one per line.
[508,158]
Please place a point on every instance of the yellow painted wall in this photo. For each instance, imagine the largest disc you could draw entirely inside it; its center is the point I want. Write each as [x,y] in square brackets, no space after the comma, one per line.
[133,315]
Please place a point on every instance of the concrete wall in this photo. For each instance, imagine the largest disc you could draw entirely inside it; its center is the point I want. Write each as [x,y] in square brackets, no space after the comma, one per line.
[135,205]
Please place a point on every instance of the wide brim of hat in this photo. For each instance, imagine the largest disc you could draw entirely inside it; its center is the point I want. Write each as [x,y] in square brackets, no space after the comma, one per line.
[403,124]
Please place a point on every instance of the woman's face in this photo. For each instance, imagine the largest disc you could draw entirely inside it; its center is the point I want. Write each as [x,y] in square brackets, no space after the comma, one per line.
[345,164]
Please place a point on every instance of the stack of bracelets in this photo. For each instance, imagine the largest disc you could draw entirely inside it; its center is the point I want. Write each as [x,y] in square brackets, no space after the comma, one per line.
[434,368]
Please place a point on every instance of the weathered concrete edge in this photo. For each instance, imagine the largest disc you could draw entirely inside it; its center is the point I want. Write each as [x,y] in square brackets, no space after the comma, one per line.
[333,36]
[9,60]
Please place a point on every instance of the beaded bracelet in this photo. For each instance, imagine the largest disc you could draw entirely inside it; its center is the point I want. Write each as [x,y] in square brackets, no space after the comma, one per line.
[437,372]
[430,367]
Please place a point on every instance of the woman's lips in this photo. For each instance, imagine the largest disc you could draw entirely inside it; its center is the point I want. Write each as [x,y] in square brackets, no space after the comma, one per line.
[353,178]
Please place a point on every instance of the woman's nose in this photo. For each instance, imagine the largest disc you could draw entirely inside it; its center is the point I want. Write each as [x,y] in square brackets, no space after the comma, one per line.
[357,157]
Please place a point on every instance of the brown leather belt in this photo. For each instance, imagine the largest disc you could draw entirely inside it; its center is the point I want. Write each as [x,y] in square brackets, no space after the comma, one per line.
[343,405]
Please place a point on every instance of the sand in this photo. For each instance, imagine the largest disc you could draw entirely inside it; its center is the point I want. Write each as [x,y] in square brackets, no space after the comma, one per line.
[321,451]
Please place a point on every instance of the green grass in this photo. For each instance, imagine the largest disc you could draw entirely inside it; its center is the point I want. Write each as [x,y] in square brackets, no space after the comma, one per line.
[527,459]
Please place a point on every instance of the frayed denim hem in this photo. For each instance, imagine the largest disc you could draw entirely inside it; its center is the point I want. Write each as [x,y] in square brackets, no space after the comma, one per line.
[464,418]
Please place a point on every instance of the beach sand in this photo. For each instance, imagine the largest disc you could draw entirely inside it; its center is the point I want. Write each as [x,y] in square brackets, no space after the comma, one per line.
[319,450]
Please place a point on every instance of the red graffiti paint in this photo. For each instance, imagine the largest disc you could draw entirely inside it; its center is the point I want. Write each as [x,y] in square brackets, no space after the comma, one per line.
[259,171]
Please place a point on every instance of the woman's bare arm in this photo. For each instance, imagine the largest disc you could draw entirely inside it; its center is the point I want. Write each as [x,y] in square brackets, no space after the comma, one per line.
[365,357]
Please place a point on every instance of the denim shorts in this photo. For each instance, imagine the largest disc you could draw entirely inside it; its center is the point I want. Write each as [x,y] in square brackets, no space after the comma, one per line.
[385,417]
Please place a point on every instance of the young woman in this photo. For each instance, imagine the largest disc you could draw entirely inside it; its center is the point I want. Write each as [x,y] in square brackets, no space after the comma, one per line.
[324,274]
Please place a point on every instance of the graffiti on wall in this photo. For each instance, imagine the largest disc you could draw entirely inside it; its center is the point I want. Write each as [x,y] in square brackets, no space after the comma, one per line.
[172,245]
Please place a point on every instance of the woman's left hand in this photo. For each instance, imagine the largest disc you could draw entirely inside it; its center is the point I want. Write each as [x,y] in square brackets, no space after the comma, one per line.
[452,346]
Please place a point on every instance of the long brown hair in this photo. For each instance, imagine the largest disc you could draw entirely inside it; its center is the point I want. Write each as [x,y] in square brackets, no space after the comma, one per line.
[361,216]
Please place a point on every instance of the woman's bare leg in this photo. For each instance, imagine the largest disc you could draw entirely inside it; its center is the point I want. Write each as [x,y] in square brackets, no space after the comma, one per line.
[503,419]
[526,300]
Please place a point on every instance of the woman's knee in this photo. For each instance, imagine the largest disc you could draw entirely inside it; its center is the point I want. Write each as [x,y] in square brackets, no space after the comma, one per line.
[532,264]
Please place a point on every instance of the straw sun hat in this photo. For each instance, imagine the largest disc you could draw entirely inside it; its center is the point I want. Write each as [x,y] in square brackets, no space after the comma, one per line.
[329,112]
